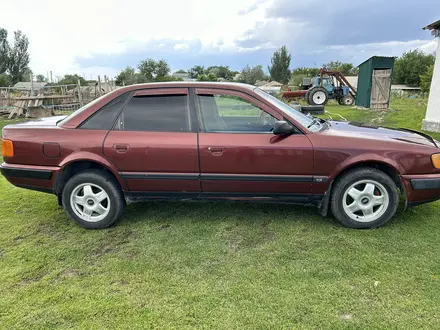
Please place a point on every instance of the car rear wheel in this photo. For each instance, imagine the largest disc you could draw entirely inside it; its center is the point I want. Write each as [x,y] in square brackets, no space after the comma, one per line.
[364,198]
[93,199]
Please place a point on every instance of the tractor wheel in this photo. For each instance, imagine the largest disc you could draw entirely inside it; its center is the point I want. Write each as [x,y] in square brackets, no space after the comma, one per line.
[318,96]
[306,97]
[346,100]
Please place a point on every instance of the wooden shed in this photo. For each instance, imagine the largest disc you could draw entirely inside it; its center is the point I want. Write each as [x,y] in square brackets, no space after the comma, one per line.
[374,82]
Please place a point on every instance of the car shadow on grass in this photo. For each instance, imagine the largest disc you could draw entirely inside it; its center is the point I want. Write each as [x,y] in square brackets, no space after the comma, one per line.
[203,211]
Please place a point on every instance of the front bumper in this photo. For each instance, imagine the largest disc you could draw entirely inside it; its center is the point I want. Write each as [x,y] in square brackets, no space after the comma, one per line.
[41,178]
[422,188]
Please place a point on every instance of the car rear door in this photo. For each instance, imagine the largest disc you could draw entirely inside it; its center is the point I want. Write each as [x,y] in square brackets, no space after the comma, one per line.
[239,156]
[154,143]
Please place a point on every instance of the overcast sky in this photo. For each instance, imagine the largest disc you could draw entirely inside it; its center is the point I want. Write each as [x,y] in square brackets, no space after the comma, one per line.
[94,37]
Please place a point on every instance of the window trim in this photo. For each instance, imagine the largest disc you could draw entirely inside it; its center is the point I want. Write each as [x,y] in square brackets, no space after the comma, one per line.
[161,92]
[228,92]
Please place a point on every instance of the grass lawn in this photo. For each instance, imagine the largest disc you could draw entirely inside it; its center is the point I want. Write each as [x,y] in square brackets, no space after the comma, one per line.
[219,265]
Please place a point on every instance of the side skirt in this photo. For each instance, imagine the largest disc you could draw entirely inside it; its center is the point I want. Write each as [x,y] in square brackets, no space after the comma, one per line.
[133,197]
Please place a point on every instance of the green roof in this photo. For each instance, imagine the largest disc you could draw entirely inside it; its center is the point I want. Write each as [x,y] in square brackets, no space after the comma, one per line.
[433,26]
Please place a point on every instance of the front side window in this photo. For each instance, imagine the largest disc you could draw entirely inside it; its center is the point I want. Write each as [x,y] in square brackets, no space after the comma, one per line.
[155,113]
[228,113]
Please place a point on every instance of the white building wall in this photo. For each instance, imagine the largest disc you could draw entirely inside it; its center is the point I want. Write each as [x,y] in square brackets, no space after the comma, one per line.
[432,118]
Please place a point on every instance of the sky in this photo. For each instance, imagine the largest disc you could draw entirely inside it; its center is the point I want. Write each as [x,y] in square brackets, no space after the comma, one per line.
[102,37]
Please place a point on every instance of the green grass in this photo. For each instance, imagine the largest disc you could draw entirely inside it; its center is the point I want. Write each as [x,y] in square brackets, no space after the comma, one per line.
[218,266]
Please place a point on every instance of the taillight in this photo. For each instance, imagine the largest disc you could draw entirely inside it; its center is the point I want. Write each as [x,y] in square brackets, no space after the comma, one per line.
[7,148]
[436,160]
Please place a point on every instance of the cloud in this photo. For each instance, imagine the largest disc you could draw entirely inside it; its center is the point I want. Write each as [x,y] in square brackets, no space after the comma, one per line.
[357,21]
[252,7]
[108,36]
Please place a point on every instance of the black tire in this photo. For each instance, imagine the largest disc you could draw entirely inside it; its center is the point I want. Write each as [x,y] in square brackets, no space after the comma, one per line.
[358,176]
[346,100]
[306,97]
[114,199]
[321,97]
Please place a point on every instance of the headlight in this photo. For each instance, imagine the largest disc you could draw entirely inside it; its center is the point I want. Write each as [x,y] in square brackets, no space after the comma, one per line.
[435,158]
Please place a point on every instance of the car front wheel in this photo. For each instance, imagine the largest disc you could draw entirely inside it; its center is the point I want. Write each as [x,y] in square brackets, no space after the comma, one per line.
[364,198]
[93,199]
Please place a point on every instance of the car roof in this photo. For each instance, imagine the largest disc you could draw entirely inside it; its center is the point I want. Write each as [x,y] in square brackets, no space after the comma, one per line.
[189,84]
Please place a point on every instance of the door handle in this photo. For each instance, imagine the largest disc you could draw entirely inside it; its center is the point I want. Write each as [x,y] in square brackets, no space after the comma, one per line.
[216,151]
[121,148]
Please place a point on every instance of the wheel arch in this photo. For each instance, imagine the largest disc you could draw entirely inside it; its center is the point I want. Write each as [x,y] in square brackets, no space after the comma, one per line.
[383,166]
[72,166]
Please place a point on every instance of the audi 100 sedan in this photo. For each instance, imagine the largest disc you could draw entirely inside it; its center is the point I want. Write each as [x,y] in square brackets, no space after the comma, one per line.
[217,141]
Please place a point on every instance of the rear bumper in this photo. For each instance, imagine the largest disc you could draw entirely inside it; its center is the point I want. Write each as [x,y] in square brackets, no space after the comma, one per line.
[41,178]
[422,188]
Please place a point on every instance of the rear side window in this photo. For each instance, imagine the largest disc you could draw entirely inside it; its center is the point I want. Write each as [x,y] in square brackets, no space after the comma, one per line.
[155,113]
[105,117]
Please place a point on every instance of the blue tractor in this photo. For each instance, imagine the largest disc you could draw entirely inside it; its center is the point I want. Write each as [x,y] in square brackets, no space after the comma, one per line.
[330,85]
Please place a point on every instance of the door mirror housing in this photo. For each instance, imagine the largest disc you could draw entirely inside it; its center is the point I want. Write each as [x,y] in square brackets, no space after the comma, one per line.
[283,128]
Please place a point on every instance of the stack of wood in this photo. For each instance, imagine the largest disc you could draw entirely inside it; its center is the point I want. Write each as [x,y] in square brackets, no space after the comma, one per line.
[30,106]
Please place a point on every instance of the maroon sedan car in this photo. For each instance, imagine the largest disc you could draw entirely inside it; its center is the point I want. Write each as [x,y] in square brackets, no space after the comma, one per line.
[217,141]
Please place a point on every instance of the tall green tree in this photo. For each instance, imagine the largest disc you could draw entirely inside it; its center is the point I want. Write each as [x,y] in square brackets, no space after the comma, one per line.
[207,77]
[279,70]
[128,76]
[221,71]
[4,50]
[196,71]
[153,70]
[162,70]
[347,69]
[250,75]
[72,79]
[40,78]
[5,80]
[426,78]
[411,66]
[18,59]
[148,68]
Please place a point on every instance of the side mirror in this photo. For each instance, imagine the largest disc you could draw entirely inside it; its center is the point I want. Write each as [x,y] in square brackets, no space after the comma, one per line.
[282,128]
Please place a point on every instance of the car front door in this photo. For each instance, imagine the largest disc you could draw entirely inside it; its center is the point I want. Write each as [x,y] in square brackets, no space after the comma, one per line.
[154,143]
[241,157]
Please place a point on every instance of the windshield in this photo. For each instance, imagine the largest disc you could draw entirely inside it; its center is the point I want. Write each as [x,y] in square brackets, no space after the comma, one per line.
[77,112]
[301,118]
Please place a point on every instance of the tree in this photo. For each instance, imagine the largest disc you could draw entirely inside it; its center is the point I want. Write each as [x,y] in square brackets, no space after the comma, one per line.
[196,71]
[181,71]
[4,50]
[147,68]
[162,70]
[426,78]
[207,77]
[128,76]
[72,79]
[250,75]
[40,78]
[155,70]
[411,66]
[347,69]
[279,70]
[221,71]
[299,74]
[18,59]
[5,80]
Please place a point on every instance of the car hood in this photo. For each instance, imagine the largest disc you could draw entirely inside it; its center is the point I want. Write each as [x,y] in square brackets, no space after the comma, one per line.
[45,121]
[356,129]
